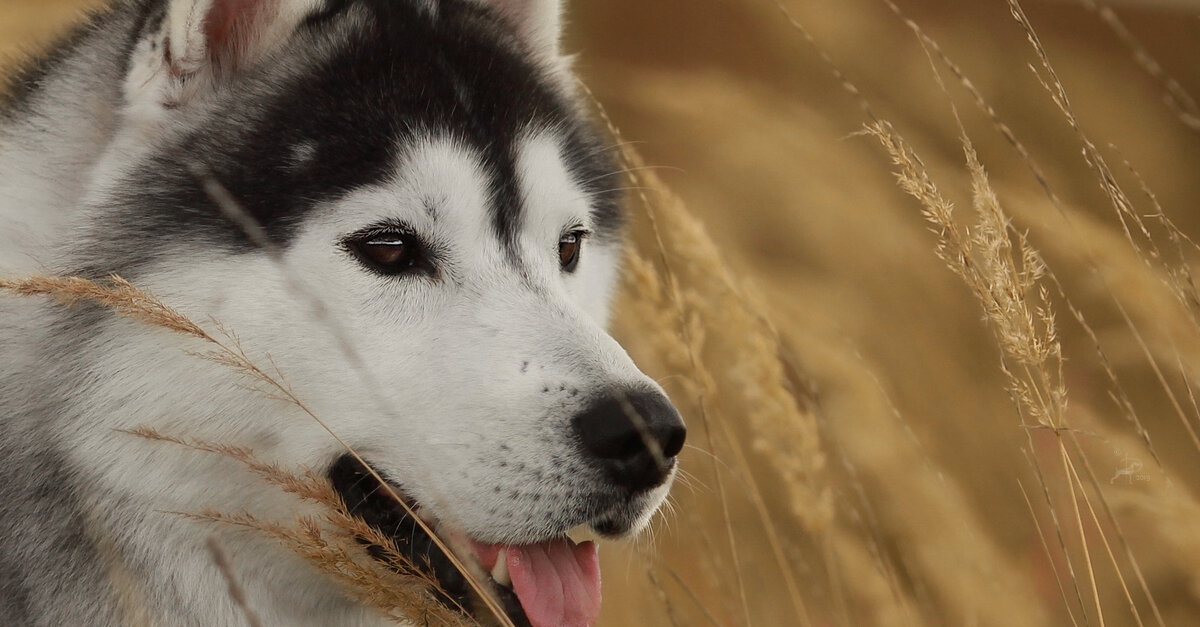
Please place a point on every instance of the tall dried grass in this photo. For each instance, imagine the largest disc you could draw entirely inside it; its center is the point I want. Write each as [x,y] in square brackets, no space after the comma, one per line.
[1085,554]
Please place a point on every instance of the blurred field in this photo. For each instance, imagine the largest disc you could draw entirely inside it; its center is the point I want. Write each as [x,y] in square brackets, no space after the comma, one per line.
[857,456]
[925,446]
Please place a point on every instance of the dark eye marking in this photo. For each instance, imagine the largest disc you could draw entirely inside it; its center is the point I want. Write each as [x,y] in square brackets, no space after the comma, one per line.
[390,250]
[570,245]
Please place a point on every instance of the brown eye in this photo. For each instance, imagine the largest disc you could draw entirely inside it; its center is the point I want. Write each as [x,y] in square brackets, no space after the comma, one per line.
[568,250]
[389,252]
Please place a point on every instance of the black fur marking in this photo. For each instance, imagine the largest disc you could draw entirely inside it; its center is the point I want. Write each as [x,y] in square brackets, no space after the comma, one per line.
[402,75]
[332,9]
[366,499]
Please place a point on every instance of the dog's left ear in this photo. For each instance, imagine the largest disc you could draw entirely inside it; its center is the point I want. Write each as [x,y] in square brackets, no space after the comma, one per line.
[201,46]
[227,36]
[538,22]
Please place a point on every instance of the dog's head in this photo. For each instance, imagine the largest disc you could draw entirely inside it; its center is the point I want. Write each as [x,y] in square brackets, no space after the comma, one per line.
[427,172]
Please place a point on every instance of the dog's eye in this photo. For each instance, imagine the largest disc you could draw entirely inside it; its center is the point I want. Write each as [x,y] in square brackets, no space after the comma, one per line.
[389,252]
[568,250]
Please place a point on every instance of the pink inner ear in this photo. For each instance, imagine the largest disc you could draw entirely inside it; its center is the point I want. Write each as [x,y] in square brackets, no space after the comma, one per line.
[230,26]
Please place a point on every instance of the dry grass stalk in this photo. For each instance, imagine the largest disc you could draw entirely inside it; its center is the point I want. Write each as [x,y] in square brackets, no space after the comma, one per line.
[864,104]
[1178,278]
[834,69]
[1074,476]
[681,294]
[708,615]
[933,51]
[403,591]
[397,598]
[1181,103]
[1004,283]
[1059,536]
[1001,269]
[775,411]
[984,260]
[664,599]
[1177,273]
[1118,533]
[1046,547]
[221,560]
[636,169]
[119,296]
[1035,368]
[305,484]
[1179,281]
[782,431]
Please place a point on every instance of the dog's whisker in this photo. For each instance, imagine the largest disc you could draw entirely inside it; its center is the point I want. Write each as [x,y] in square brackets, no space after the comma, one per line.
[631,170]
[622,188]
[691,482]
[706,452]
[613,147]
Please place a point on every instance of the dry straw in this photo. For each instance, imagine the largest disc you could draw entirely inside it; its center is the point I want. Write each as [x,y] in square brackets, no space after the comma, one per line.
[1018,293]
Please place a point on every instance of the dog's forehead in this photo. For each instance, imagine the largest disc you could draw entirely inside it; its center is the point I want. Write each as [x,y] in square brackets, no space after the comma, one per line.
[441,188]
[338,118]
[551,193]
[438,187]
[458,98]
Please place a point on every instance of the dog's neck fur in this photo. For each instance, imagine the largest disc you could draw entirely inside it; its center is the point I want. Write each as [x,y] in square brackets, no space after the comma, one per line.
[45,159]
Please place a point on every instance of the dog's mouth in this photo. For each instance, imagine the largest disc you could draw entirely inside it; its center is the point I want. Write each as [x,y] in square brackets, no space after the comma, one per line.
[553,583]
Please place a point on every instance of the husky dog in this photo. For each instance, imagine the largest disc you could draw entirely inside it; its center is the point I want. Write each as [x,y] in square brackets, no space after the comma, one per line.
[427,170]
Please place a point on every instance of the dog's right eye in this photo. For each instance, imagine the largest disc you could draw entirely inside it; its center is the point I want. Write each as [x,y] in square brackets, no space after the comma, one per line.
[390,252]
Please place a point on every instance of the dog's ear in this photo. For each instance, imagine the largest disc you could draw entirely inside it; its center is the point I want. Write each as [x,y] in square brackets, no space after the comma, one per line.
[201,45]
[226,36]
[538,22]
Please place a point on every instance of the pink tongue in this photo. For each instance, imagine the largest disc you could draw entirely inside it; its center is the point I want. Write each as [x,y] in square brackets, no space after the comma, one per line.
[557,582]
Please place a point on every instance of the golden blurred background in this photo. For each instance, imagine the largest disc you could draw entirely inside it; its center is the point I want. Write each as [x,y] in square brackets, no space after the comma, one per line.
[857,455]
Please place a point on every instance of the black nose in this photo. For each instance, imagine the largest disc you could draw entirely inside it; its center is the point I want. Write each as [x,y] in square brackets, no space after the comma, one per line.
[634,436]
